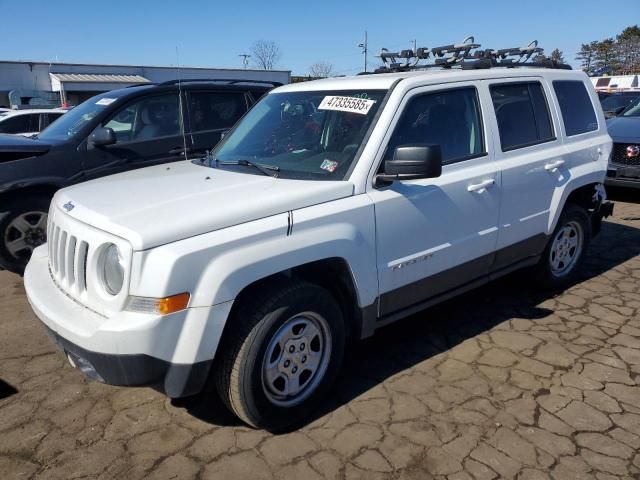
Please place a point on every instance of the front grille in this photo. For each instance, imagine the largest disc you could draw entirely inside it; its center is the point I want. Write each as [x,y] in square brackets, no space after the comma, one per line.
[619,155]
[67,258]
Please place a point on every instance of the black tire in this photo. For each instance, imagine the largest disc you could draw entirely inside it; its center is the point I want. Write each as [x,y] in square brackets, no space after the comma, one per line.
[253,325]
[572,215]
[10,210]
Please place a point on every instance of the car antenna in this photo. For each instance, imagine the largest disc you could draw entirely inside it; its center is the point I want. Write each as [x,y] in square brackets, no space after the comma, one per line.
[184,135]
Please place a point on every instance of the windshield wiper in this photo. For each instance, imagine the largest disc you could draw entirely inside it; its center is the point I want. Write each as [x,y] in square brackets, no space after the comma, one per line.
[269,170]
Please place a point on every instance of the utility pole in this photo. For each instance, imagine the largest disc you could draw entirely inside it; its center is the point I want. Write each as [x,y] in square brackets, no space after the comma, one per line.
[365,47]
[245,59]
[415,47]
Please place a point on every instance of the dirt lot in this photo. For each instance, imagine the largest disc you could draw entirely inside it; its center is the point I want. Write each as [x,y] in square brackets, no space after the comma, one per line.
[502,382]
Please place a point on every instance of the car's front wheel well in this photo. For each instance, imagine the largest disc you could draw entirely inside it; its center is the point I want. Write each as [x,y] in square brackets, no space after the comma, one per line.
[332,274]
[44,191]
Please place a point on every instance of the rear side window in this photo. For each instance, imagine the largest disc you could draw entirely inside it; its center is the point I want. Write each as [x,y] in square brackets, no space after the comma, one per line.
[576,107]
[215,110]
[522,113]
[450,118]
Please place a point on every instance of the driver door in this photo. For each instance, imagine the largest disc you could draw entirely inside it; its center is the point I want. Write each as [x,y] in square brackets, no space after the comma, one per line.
[149,131]
[437,234]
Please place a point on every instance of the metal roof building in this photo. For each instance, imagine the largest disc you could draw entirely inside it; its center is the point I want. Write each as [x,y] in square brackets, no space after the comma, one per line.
[25,84]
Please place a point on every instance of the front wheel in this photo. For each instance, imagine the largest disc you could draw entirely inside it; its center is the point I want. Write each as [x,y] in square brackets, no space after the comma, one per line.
[566,248]
[23,227]
[281,355]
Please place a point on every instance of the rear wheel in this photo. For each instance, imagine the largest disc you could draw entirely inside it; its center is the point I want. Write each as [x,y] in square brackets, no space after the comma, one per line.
[23,227]
[281,355]
[566,248]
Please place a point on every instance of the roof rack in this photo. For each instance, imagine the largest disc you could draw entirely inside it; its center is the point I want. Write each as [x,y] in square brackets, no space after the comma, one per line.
[466,55]
[218,80]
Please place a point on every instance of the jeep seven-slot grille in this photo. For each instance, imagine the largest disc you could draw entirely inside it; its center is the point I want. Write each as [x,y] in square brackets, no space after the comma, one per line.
[620,155]
[67,258]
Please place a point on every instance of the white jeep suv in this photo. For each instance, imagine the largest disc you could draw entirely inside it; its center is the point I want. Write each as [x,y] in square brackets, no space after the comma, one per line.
[332,208]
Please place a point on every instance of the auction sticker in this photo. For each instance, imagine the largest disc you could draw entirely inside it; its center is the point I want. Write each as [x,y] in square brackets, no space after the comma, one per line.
[105,101]
[346,104]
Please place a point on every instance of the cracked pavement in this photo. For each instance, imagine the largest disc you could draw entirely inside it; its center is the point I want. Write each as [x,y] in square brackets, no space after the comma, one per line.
[502,382]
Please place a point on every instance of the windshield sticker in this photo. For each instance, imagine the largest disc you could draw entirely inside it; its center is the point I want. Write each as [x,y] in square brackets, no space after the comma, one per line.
[346,104]
[105,101]
[329,165]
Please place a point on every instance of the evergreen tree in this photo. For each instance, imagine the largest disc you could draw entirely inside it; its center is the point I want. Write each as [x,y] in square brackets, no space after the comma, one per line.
[586,55]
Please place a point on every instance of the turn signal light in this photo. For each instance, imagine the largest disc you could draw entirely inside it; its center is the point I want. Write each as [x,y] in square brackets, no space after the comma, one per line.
[159,306]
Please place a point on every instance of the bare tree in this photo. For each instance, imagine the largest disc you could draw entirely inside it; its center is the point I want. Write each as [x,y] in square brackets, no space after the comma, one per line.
[265,54]
[321,70]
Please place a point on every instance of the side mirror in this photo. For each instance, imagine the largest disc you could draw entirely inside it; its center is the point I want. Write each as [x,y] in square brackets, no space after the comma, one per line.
[411,162]
[102,136]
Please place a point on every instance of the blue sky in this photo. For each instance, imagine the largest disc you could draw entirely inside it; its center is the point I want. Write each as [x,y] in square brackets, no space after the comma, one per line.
[213,33]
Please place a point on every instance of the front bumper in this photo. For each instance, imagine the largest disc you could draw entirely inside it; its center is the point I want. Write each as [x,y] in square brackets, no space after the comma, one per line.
[172,353]
[623,176]
[174,380]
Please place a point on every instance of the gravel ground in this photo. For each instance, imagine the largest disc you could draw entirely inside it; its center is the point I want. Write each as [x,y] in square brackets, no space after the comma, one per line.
[503,382]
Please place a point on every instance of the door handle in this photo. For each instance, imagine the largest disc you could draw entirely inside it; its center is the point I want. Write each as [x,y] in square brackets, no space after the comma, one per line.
[553,166]
[482,186]
[179,151]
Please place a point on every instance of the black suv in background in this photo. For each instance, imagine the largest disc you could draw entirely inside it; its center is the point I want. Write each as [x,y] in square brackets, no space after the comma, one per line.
[112,132]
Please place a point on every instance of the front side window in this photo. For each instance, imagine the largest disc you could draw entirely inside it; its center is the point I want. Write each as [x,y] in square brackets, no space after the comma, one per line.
[215,110]
[450,119]
[15,124]
[303,135]
[576,107]
[522,114]
[146,119]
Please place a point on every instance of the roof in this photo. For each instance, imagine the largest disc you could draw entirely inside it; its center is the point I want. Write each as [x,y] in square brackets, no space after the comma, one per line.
[26,111]
[182,67]
[98,78]
[383,81]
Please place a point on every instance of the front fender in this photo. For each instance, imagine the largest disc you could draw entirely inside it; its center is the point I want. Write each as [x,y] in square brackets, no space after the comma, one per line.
[217,266]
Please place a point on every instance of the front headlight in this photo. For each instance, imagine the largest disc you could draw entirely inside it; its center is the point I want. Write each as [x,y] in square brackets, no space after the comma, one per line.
[112,270]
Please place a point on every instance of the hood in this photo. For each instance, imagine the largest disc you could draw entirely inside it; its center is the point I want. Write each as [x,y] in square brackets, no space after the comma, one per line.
[15,147]
[158,205]
[624,129]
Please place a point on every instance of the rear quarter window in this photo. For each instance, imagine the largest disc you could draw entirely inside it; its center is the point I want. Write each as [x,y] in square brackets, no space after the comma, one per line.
[575,104]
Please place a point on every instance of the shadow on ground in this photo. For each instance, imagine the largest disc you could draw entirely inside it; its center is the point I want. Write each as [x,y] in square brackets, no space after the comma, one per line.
[6,390]
[630,195]
[430,332]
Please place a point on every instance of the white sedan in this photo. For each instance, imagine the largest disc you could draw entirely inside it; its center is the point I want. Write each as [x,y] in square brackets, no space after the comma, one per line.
[29,121]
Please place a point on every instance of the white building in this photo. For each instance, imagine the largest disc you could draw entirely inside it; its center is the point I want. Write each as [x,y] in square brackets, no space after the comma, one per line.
[25,84]
[616,83]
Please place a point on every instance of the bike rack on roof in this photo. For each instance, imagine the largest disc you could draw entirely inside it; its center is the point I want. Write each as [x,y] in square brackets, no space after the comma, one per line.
[467,56]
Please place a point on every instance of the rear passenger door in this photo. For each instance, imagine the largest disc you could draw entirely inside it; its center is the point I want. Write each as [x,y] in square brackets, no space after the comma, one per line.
[211,113]
[532,160]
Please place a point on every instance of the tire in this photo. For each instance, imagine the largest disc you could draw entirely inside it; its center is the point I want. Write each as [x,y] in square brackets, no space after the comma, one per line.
[23,226]
[263,332]
[566,248]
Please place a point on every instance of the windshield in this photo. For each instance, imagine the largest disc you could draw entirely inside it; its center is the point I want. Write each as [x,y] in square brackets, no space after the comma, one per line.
[633,110]
[614,102]
[68,125]
[302,135]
